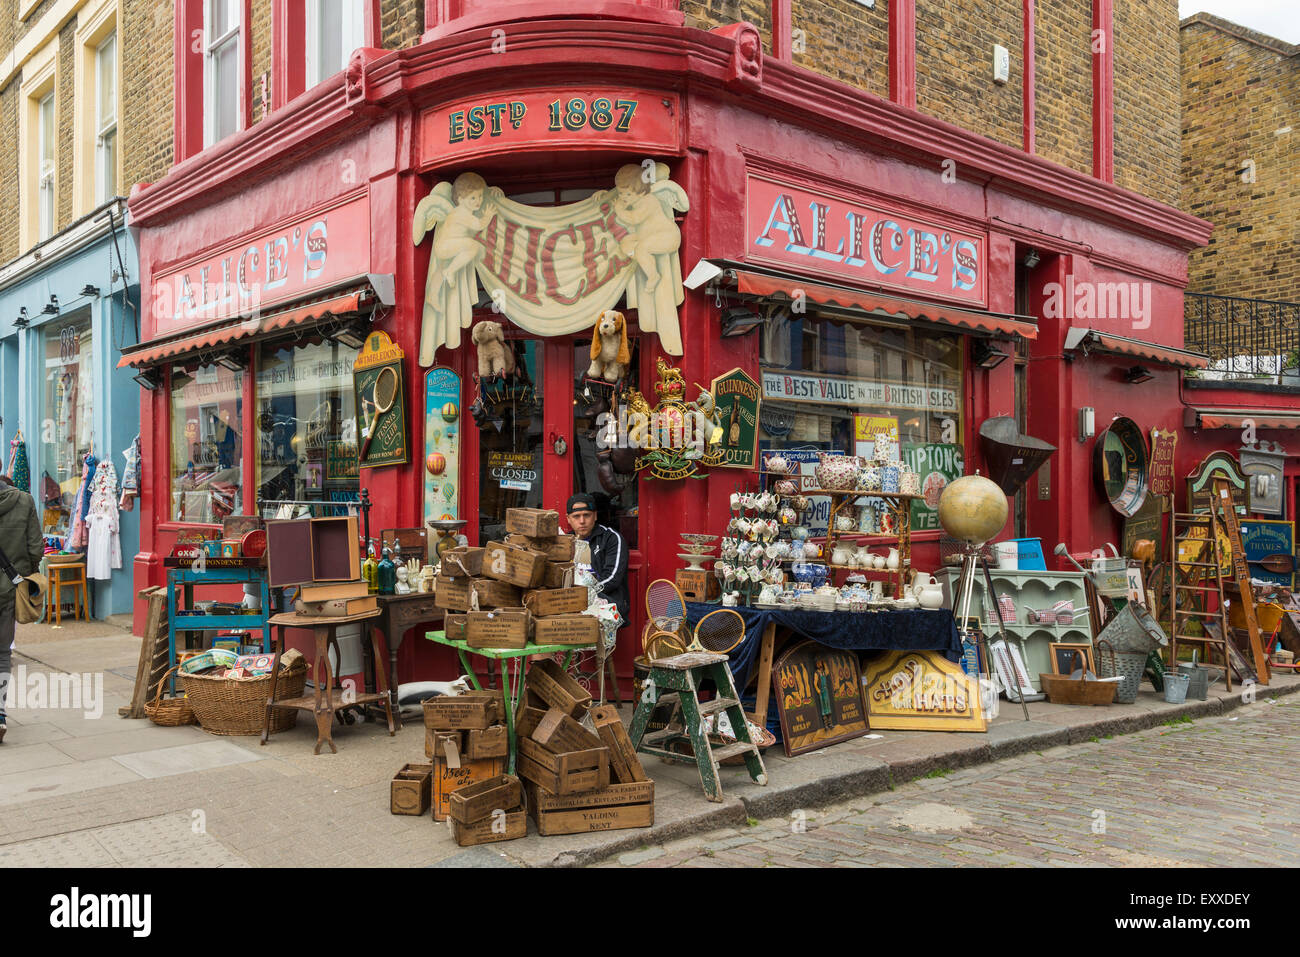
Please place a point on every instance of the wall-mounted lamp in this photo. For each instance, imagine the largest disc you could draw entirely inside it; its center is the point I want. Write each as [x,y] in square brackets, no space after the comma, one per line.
[231,361]
[987,355]
[1031,258]
[89,290]
[1138,374]
[1087,423]
[22,322]
[352,336]
[52,307]
[737,320]
[148,378]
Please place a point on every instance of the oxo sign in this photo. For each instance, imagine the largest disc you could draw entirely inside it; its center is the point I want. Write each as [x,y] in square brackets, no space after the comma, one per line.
[862,244]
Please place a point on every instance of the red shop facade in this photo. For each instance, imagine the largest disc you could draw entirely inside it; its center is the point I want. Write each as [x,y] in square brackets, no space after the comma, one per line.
[885,285]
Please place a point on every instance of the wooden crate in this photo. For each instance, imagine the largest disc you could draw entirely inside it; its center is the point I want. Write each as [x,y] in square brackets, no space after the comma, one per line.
[507,827]
[557,688]
[436,743]
[463,562]
[453,625]
[447,779]
[464,712]
[614,808]
[544,602]
[412,789]
[490,742]
[451,594]
[488,593]
[474,802]
[570,773]
[518,566]
[566,630]
[499,628]
[561,549]
[698,585]
[527,718]
[533,522]
[624,765]
[558,733]
[558,575]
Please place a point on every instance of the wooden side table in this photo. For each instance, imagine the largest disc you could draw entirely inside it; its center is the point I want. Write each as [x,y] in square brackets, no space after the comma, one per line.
[63,575]
[398,614]
[326,700]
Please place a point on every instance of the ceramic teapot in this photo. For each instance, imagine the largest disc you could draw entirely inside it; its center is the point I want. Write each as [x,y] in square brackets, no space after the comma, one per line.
[927,591]
[769,594]
[837,472]
[776,463]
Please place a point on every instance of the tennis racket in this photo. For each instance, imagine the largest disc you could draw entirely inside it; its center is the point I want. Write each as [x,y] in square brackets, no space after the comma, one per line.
[665,606]
[718,631]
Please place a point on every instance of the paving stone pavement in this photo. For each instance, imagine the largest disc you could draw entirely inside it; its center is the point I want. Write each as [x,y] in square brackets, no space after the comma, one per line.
[1217,792]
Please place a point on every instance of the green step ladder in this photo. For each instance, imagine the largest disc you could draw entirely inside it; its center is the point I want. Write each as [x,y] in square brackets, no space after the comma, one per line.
[680,677]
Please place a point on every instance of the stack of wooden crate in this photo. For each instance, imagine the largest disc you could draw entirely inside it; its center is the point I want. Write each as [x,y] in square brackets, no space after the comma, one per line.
[556,605]
[488,811]
[577,781]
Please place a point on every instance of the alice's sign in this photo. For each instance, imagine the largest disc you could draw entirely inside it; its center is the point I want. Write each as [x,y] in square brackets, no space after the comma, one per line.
[848,240]
[624,119]
[553,270]
[275,266]
[795,387]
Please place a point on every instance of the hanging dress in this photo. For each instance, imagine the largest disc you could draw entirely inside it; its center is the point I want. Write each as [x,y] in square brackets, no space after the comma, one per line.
[103,546]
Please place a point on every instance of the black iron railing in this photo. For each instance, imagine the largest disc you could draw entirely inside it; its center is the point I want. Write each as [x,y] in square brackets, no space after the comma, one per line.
[1244,337]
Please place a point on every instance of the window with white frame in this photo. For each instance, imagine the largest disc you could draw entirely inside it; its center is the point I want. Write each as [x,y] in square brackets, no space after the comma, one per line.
[220,69]
[45,149]
[334,29]
[106,120]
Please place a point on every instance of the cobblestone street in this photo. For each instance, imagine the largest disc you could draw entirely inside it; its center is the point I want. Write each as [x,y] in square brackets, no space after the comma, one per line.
[1216,792]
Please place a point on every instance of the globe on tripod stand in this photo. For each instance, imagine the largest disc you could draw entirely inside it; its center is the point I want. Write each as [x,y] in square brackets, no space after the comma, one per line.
[972,509]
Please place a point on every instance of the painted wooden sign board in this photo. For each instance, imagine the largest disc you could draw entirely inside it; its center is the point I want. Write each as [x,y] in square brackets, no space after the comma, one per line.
[818,696]
[937,464]
[391,445]
[1261,538]
[1163,444]
[1200,483]
[921,691]
[737,398]
[442,438]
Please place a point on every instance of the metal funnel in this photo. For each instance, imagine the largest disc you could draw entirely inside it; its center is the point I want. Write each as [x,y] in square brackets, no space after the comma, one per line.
[1010,456]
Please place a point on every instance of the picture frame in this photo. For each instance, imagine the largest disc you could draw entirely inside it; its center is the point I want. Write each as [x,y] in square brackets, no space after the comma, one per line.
[1066,654]
[818,693]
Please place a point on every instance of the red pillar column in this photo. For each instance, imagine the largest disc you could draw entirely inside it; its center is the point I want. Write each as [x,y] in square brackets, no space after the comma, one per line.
[902,52]
[288,51]
[1103,91]
[187,99]
[781,31]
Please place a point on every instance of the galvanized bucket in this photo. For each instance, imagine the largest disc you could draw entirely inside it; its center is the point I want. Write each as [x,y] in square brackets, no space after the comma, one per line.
[1132,631]
[1176,687]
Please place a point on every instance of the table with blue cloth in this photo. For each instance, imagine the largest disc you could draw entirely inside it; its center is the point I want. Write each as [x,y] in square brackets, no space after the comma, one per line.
[912,630]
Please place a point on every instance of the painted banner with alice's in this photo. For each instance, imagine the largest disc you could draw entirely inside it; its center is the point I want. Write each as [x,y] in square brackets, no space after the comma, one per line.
[552,270]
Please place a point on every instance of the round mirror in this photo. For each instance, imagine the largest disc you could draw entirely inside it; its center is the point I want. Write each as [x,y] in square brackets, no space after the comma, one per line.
[1121,465]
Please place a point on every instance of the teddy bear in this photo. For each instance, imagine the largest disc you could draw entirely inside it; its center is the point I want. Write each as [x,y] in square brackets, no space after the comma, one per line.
[495,357]
[610,355]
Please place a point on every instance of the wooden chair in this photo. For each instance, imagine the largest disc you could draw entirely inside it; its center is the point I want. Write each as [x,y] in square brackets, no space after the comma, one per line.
[67,575]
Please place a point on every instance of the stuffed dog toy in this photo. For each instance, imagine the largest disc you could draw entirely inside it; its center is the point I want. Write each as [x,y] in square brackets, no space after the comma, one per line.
[495,357]
[610,355]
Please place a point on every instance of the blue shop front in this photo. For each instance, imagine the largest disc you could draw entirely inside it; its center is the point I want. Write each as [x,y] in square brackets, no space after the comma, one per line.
[69,418]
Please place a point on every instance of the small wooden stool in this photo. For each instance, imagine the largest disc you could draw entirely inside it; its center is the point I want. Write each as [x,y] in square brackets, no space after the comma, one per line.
[682,674]
[66,575]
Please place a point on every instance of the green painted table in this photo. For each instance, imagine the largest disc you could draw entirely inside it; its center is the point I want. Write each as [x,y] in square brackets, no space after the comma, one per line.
[502,654]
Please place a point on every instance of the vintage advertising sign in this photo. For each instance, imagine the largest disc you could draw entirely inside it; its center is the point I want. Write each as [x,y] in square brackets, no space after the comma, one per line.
[341,461]
[442,421]
[867,427]
[621,118]
[271,267]
[513,470]
[921,691]
[1200,483]
[553,270]
[1263,537]
[937,464]
[818,696]
[1163,444]
[822,232]
[387,420]
[823,389]
[736,397]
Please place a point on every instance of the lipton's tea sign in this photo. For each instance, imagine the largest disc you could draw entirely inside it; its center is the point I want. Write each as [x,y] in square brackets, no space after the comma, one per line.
[820,232]
[921,691]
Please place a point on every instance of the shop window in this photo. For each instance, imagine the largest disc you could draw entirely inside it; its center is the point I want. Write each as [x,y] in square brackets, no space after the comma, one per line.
[334,30]
[106,120]
[510,424]
[306,425]
[67,428]
[221,68]
[207,453]
[605,473]
[45,150]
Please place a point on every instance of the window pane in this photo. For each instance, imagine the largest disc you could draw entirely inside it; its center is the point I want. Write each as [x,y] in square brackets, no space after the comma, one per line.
[306,423]
[510,443]
[225,89]
[69,396]
[607,475]
[329,32]
[47,131]
[207,447]
[106,72]
[46,207]
[222,16]
[108,165]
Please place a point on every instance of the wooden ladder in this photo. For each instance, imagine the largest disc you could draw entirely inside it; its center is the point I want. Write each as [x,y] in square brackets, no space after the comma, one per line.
[681,675]
[1187,582]
[1241,571]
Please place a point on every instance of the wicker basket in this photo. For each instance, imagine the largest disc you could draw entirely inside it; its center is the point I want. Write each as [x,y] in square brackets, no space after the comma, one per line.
[1064,690]
[1129,666]
[169,712]
[235,706]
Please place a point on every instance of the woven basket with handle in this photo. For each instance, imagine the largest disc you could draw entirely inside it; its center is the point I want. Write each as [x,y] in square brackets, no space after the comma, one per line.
[169,712]
[234,706]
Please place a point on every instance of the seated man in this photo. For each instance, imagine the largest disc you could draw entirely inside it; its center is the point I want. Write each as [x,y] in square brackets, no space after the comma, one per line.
[608,551]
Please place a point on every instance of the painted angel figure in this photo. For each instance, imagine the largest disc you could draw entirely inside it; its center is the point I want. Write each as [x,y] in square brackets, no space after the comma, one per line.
[644,205]
[452,211]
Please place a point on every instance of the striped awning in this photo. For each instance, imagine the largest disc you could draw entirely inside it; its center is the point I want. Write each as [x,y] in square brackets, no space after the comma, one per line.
[1240,418]
[1092,340]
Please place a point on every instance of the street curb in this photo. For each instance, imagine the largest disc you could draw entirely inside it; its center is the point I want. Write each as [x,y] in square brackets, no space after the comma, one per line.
[886,777]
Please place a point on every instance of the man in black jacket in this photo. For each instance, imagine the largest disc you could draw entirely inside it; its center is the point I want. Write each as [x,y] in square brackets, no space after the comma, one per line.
[608,551]
[21,541]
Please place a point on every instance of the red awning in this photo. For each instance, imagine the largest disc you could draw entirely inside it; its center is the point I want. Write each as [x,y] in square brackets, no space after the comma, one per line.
[1090,340]
[887,307]
[1238,419]
[154,351]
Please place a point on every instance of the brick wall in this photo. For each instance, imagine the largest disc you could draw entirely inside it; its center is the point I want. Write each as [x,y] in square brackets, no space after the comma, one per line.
[707,14]
[954,65]
[1063,84]
[260,57]
[146,45]
[1147,148]
[401,23]
[64,115]
[1239,88]
[845,40]
[9,166]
